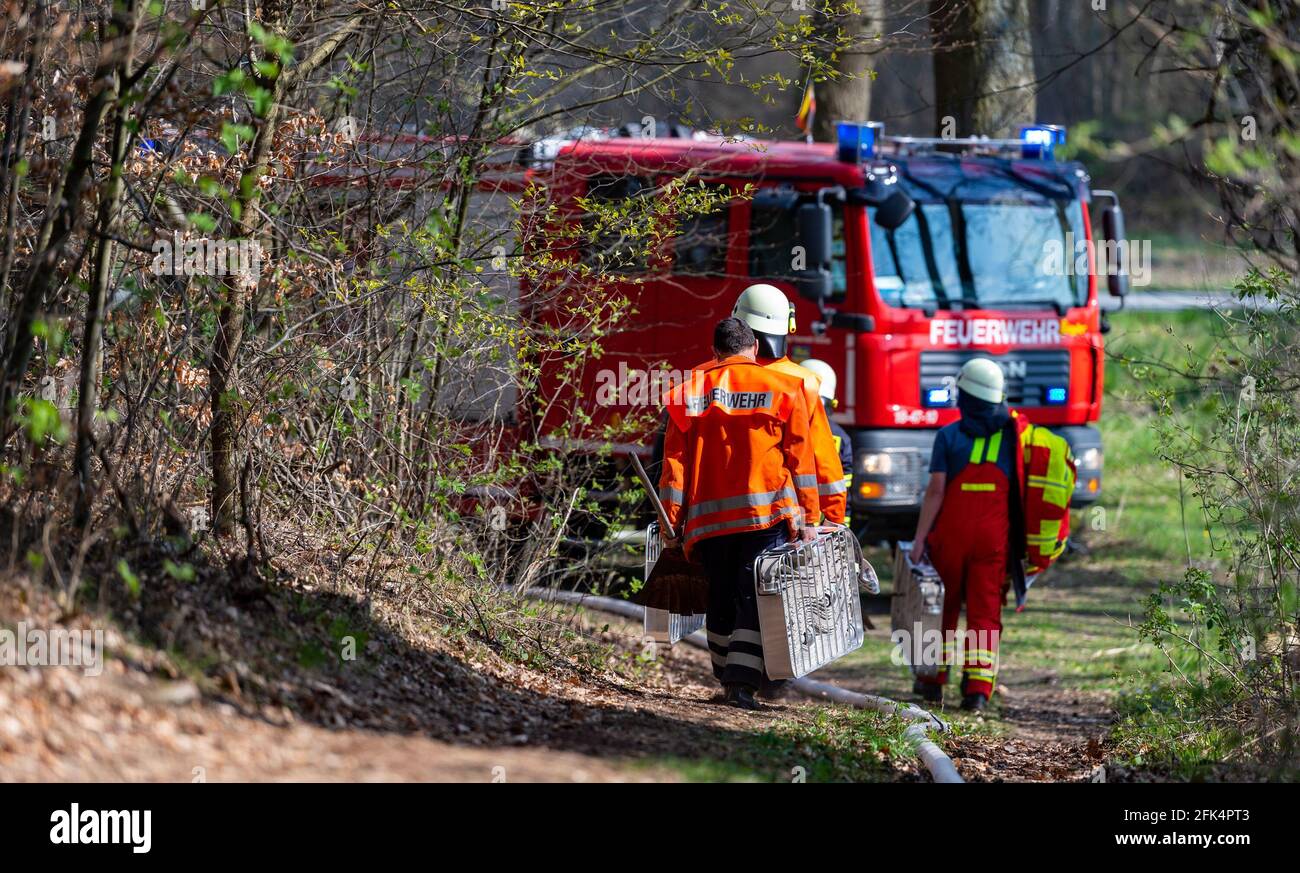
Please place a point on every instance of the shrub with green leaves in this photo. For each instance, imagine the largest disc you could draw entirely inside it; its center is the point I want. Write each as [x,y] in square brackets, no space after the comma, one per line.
[1234,438]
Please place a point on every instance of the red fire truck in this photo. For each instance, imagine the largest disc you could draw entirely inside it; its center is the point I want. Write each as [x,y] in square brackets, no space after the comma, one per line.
[904,257]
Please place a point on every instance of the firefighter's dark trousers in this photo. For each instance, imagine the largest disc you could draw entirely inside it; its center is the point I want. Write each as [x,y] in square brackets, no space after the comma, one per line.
[735,645]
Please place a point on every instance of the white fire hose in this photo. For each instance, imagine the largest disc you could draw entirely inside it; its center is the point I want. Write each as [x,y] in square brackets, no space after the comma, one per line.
[940,765]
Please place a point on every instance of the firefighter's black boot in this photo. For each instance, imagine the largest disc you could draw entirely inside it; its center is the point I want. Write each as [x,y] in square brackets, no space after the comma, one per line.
[772,689]
[931,692]
[975,702]
[742,697]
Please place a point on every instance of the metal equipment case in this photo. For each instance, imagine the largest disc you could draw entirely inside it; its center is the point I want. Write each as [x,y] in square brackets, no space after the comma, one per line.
[809,613]
[916,613]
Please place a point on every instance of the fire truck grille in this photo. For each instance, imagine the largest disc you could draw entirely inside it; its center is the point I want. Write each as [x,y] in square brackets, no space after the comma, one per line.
[1030,372]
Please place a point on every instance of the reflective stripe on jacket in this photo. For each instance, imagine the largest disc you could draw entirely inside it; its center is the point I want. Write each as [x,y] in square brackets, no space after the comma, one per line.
[737,452]
[831,486]
[844,447]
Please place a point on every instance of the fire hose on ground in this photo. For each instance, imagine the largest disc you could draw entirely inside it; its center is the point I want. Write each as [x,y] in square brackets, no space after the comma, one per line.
[939,764]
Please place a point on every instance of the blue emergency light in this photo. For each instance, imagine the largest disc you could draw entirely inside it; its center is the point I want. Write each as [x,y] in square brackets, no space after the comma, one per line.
[1039,140]
[1056,396]
[938,397]
[857,139]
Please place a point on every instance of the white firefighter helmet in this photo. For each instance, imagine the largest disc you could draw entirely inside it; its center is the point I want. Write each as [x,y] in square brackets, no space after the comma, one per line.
[765,309]
[825,375]
[980,377]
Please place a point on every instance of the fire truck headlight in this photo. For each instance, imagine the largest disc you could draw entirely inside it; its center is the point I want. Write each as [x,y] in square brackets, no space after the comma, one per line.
[889,475]
[875,463]
[1090,459]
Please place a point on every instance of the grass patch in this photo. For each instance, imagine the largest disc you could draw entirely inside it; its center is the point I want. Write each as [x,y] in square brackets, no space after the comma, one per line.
[1162,708]
[1163,726]
[1143,501]
[1186,262]
[834,745]
[1081,625]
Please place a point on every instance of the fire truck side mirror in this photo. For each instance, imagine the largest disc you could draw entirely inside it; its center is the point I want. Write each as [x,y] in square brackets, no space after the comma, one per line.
[894,210]
[891,205]
[854,321]
[1112,223]
[814,223]
[814,285]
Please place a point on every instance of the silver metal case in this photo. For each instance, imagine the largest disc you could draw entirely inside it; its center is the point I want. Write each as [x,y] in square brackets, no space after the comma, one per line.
[809,613]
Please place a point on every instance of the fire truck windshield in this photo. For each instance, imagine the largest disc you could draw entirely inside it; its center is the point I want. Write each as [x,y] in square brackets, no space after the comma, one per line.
[1012,249]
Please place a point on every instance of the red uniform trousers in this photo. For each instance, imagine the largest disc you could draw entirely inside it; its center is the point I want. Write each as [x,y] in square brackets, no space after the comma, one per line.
[968,547]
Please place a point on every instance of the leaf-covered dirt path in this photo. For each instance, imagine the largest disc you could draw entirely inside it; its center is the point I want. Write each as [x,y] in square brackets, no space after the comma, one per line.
[1036,731]
[508,723]
[60,726]
[1066,659]
[1048,734]
[420,709]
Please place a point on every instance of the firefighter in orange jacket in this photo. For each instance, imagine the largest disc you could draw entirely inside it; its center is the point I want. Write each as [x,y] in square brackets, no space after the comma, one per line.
[767,312]
[965,526]
[738,477]
[826,384]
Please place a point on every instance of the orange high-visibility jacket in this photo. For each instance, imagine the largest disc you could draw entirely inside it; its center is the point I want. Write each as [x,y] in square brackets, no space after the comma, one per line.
[737,452]
[832,490]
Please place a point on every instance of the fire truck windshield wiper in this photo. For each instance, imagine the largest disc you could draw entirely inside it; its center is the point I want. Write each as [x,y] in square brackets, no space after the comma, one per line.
[1060,306]
[941,298]
[961,247]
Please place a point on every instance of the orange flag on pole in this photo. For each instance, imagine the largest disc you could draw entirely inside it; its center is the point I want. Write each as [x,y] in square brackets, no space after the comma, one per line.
[807,109]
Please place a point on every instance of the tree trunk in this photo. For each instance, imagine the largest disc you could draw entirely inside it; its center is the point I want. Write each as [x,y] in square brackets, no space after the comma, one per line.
[63,214]
[15,143]
[223,367]
[983,66]
[92,336]
[847,97]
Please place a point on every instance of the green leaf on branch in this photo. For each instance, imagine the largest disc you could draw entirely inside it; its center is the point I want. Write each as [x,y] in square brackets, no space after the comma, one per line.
[233,134]
[132,581]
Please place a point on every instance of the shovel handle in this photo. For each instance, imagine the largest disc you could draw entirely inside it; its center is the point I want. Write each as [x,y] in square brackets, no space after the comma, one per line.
[654,497]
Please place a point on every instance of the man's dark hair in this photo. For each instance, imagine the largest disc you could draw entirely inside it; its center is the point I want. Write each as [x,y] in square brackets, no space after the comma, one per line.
[732,336]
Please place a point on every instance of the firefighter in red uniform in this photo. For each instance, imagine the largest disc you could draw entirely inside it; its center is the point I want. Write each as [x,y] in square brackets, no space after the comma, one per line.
[738,478]
[965,526]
